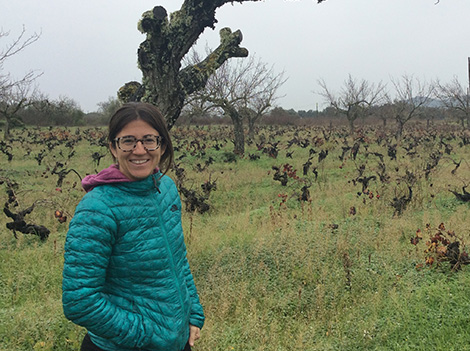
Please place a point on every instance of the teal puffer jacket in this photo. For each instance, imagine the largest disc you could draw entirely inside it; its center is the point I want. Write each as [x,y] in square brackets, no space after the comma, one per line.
[126,278]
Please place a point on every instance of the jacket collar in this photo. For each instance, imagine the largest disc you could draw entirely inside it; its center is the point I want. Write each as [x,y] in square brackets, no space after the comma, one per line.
[112,175]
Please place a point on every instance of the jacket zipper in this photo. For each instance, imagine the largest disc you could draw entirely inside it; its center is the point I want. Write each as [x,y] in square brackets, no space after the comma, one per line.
[170,256]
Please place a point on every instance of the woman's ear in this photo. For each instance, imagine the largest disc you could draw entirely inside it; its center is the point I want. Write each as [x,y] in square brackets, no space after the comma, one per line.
[113,151]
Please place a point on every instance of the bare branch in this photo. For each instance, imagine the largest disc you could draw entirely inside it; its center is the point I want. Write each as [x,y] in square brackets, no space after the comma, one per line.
[355,98]
[412,95]
[18,44]
[15,93]
[241,89]
[455,97]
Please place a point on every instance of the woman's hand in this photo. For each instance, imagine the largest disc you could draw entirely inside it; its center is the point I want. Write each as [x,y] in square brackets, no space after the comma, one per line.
[194,334]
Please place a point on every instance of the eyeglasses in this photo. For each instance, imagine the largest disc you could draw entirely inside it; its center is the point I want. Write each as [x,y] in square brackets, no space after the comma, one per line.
[129,142]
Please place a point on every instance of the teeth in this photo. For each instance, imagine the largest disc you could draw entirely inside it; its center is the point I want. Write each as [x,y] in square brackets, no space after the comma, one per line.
[139,161]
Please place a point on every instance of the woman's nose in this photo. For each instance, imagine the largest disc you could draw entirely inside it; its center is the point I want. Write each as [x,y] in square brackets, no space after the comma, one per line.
[139,148]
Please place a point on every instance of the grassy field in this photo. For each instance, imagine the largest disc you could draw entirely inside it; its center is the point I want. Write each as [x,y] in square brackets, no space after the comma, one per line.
[320,263]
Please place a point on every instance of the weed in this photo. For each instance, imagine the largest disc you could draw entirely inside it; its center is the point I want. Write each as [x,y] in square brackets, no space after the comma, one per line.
[442,246]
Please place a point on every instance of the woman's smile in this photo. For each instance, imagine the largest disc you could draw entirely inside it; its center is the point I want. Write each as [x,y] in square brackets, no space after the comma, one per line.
[139,162]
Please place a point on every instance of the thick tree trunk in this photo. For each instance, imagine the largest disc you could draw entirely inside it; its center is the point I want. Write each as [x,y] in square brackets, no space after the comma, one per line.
[400,127]
[239,137]
[351,125]
[251,117]
[238,132]
[6,133]
[164,83]
[251,128]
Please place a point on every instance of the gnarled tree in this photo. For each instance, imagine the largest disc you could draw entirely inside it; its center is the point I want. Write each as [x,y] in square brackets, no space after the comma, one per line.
[165,83]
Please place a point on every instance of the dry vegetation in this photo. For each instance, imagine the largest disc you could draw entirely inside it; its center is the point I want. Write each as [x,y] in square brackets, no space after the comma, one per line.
[324,262]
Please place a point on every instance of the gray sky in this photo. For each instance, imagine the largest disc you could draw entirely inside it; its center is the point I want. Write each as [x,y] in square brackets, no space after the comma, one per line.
[87,48]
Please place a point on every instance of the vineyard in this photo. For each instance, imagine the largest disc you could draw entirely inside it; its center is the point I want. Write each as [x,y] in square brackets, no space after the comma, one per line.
[315,239]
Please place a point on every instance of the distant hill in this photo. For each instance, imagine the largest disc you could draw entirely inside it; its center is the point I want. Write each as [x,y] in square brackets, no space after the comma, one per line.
[434,103]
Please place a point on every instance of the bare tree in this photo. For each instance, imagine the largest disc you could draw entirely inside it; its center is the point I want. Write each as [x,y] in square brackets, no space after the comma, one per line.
[411,97]
[15,93]
[241,89]
[355,98]
[264,86]
[456,98]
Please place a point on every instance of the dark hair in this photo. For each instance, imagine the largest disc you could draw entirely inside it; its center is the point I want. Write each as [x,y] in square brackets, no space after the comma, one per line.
[148,113]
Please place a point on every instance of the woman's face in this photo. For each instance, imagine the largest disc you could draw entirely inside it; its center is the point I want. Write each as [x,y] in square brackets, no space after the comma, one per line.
[138,163]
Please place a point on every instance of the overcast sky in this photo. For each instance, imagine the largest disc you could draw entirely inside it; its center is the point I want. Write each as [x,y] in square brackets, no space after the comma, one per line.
[87,48]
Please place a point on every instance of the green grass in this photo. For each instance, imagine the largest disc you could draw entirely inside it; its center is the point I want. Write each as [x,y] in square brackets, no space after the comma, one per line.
[271,275]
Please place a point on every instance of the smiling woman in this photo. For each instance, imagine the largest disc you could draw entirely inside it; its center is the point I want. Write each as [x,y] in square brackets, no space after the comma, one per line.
[126,277]
[131,127]
[138,151]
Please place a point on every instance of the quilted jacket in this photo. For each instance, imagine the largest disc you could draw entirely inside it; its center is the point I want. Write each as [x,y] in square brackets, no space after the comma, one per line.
[126,278]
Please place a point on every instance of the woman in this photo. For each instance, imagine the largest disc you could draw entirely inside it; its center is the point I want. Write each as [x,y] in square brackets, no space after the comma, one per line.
[126,278]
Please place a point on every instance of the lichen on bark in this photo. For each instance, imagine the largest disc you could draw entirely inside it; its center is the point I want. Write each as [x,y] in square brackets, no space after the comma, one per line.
[164,83]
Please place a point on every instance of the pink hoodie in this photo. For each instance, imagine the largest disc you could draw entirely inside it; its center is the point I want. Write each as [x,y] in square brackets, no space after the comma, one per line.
[109,175]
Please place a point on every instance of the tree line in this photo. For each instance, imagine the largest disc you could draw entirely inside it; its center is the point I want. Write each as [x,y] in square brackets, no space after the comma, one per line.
[223,83]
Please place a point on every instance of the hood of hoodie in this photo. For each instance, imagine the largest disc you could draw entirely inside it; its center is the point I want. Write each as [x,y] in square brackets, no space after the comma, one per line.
[109,175]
